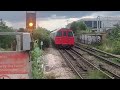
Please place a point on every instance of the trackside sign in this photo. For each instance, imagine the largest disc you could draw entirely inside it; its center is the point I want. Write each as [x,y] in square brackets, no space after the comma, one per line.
[14,65]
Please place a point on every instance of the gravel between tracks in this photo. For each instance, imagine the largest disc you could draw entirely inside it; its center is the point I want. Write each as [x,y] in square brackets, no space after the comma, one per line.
[55,66]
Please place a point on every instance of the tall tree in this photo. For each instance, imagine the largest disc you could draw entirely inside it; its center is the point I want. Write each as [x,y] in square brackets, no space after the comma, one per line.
[42,34]
[78,26]
[74,26]
[82,25]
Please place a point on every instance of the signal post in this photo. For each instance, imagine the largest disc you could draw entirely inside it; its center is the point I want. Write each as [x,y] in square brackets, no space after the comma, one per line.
[31,23]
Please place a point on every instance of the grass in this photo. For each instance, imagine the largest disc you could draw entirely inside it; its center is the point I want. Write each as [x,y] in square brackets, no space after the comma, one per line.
[77,77]
[116,60]
[109,46]
[96,75]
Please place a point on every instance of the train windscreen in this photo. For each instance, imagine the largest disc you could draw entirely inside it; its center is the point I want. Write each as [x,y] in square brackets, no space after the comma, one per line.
[70,34]
[59,34]
[64,34]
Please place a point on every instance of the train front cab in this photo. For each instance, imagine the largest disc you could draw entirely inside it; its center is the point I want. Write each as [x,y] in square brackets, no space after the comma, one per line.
[64,39]
[67,39]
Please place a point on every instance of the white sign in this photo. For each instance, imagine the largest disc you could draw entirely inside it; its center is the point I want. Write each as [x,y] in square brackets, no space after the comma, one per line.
[41,42]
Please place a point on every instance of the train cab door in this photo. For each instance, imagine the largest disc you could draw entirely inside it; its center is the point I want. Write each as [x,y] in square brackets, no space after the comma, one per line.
[64,37]
[70,37]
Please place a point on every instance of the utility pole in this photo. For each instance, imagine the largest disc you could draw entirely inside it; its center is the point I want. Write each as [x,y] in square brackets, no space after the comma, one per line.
[98,23]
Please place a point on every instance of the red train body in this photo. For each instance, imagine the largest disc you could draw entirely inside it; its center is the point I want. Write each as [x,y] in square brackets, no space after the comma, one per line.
[63,38]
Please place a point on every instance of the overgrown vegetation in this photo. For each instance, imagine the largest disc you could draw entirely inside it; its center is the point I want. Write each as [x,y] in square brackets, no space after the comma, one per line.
[41,34]
[96,75]
[37,69]
[116,60]
[112,43]
[78,27]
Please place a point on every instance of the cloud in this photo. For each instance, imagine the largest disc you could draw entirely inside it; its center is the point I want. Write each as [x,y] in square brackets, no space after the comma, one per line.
[53,20]
[49,23]
[16,25]
[56,17]
[52,24]
[9,24]
[103,14]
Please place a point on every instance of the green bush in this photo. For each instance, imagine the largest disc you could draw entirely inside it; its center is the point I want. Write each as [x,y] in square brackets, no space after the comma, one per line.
[37,70]
[112,43]
[110,46]
[96,75]
[46,42]
[42,34]
[116,47]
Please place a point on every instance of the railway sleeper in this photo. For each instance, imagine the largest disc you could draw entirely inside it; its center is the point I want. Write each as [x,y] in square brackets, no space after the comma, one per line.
[74,58]
[91,65]
[70,65]
[81,65]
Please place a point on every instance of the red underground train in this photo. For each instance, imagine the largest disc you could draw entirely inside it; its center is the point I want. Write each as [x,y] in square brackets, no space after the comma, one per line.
[63,38]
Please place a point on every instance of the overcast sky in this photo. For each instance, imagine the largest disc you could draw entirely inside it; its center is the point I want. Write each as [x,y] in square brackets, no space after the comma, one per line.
[51,19]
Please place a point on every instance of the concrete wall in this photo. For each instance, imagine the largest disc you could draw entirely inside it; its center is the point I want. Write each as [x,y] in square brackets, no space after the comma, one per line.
[88,39]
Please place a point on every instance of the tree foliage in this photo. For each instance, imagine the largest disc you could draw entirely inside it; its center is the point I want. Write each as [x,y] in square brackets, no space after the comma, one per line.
[6,40]
[115,33]
[82,25]
[42,34]
[74,26]
[78,26]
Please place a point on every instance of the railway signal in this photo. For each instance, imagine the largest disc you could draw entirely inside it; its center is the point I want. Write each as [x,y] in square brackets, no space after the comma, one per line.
[30,21]
[30,24]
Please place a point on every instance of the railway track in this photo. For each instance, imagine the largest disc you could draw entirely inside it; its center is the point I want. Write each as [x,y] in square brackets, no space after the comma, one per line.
[82,66]
[104,64]
[70,64]
[100,57]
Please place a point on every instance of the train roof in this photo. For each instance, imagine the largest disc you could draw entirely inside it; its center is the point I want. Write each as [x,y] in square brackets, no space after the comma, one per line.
[60,30]
[64,29]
